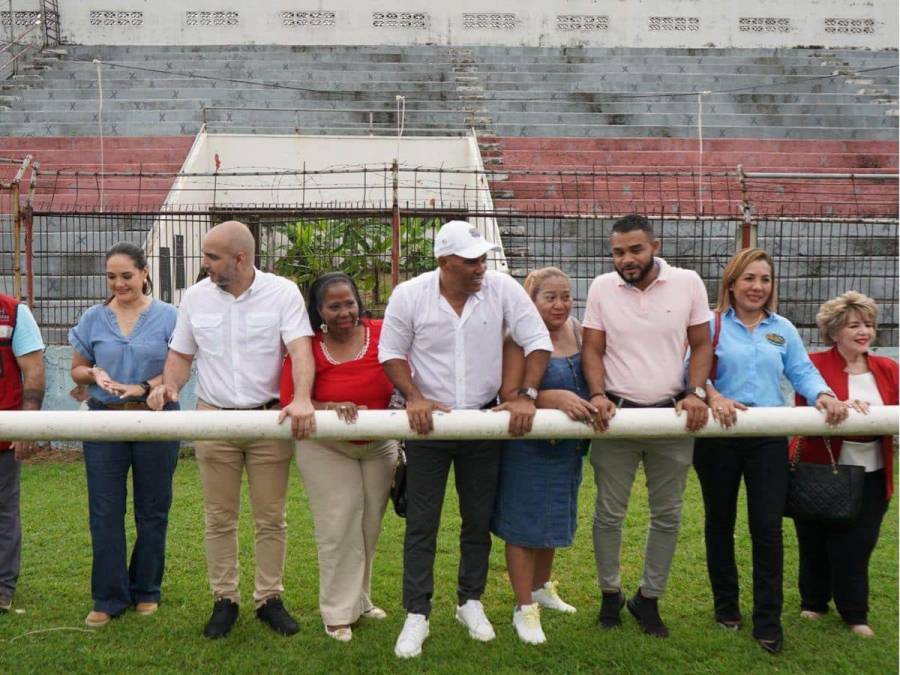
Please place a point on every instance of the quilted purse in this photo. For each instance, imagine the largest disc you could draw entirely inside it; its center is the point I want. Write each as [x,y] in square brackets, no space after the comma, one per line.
[398,484]
[827,493]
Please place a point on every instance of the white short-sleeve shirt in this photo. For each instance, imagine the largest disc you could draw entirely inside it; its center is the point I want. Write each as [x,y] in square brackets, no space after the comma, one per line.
[239,343]
[457,360]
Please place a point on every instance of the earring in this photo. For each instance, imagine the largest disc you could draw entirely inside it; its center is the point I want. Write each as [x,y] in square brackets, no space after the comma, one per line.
[323,327]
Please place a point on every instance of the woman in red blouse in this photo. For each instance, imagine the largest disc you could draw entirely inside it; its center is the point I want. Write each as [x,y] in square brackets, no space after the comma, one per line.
[347,482]
[834,559]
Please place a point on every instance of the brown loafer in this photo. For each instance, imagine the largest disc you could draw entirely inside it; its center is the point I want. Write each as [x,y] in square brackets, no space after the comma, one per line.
[146,608]
[96,619]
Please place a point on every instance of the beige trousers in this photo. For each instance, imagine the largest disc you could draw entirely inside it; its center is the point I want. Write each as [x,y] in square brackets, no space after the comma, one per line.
[222,466]
[347,485]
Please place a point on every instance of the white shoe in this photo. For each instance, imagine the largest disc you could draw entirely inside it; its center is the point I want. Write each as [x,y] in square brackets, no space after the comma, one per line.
[340,634]
[471,615]
[409,642]
[375,613]
[546,596]
[527,622]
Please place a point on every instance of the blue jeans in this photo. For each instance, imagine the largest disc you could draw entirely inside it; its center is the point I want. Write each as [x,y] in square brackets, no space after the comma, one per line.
[115,584]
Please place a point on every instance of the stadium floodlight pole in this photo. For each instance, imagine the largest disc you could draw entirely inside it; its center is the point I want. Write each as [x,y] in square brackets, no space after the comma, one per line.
[129,425]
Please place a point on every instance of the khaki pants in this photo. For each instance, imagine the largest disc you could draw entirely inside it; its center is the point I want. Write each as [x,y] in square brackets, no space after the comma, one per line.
[347,485]
[666,462]
[221,470]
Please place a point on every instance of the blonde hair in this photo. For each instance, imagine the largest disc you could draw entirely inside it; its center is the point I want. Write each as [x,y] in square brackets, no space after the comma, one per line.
[536,279]
[834,313]
[733,271]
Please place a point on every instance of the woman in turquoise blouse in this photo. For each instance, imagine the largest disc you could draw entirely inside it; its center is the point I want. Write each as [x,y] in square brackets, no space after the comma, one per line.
[119,348]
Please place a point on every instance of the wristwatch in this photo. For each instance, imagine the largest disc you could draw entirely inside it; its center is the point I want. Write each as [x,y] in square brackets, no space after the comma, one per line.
[530,392]
[146,386]
[699,392]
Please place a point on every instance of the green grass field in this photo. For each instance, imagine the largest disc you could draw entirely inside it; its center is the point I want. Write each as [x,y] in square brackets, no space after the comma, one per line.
[47,634]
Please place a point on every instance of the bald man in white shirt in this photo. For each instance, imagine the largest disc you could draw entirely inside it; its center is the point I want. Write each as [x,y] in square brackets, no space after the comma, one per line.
[238,323]
[447,326]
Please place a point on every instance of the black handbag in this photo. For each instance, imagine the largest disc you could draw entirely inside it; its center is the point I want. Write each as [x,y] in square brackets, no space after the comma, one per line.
[826,493]
[398,483]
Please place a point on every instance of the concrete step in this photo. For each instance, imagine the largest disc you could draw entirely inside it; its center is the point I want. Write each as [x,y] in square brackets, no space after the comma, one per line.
[710,132]
[751,161]
[233,95]
[710,145]
[213,67]
[438,117]
[54,143]
[483,53]
[59,313]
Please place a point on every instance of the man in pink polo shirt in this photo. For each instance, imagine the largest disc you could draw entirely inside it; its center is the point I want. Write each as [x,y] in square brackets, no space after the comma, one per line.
[638,324]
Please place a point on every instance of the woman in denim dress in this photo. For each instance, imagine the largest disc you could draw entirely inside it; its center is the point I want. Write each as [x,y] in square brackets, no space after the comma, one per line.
[536,509]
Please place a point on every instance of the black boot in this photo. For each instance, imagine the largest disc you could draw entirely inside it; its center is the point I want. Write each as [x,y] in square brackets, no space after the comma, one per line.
[646,611]
[609,609]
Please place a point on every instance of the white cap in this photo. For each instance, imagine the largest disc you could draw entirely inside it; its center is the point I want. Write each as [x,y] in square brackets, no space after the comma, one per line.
[461,238]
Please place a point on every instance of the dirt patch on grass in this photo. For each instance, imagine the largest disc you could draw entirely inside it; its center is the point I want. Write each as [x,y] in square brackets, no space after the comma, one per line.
[49,454]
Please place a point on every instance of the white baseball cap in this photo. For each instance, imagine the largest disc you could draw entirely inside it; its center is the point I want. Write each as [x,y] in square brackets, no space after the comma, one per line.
[461,238]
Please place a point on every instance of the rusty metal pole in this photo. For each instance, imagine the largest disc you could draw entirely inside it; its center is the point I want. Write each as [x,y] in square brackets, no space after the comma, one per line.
[395,225]
[28,214]
[747,236]
[17,239]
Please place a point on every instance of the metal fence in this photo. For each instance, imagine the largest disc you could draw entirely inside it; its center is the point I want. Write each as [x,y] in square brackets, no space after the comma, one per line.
[820,249]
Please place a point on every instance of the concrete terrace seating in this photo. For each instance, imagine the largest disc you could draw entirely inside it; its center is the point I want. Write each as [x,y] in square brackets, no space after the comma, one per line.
[522,91]
[554,110]
[558,190]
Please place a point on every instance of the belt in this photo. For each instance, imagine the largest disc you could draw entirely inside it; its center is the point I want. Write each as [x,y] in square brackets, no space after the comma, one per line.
[622,402]
[127,405]
[268,405]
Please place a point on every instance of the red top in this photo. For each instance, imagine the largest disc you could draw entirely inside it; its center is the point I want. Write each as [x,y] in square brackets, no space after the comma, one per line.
[361,381]
[10,375]
[831,365]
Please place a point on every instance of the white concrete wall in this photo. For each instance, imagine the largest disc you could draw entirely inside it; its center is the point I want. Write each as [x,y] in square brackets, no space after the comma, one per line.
[631,23]
[768,23]
[247,154]
[24,13]
[873,23]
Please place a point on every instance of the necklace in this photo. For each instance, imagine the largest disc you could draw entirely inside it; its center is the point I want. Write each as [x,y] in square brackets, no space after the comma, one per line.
[335,362]
[755,323]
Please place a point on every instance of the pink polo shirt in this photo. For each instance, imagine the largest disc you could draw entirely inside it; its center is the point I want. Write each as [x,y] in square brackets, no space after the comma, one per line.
[646,331]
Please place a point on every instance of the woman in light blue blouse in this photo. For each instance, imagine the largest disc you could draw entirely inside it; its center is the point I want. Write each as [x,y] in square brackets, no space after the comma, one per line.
[119,348]
[754,348]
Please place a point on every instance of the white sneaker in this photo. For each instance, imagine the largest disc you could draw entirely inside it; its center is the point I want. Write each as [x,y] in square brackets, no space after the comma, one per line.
[409,642]
[527,622]
[547,596]
[471,615]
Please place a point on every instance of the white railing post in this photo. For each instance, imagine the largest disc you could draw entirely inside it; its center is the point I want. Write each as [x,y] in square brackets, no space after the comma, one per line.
[387,424]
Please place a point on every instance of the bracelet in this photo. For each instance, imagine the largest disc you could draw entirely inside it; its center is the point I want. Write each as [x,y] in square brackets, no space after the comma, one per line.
[598,393]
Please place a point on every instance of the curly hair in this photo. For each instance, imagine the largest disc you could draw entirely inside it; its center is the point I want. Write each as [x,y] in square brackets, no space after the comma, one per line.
[834,314]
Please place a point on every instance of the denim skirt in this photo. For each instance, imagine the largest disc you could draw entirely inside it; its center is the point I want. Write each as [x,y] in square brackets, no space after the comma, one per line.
[537,493]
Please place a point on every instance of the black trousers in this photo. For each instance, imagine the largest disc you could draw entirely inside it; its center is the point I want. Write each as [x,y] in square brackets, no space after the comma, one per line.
[834,559]
[721,463]
[476,468]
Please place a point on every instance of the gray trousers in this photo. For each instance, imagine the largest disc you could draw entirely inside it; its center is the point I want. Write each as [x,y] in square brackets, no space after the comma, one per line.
[615,461]
[10,523]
